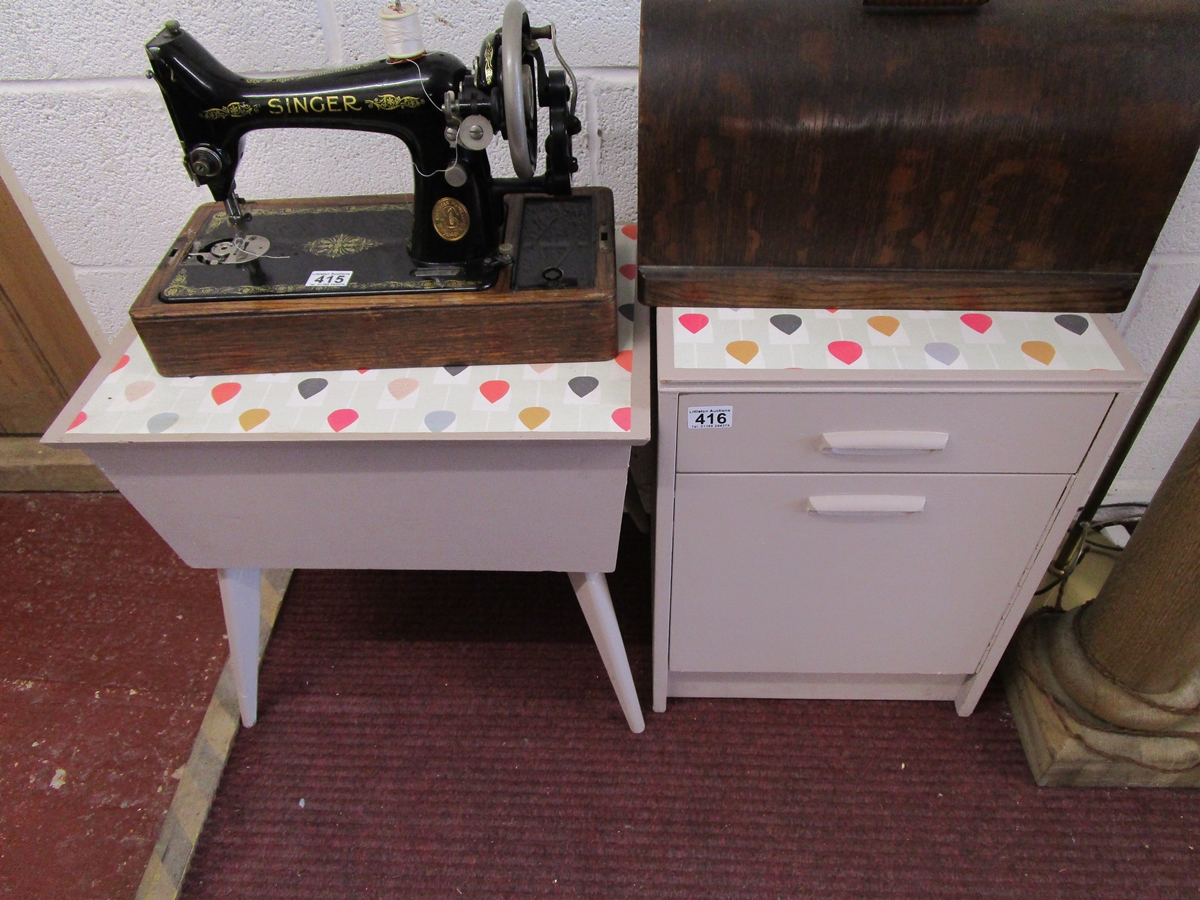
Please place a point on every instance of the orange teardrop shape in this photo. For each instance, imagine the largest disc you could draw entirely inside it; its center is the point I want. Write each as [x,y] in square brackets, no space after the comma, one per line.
[742,351]
[1039,350]
[252,418]
[533,416]
[885,325]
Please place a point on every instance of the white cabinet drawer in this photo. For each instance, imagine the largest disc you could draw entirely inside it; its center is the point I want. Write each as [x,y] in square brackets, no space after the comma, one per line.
[762,584]
[986,432]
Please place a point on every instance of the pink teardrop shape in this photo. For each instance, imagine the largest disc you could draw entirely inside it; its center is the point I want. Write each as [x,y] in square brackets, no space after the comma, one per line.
[340,419]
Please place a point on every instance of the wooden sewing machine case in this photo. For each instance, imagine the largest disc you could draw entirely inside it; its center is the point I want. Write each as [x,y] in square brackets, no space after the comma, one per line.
[1011,154]
[502,324]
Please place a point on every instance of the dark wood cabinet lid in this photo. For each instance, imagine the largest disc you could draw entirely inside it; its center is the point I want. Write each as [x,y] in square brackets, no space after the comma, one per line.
[1023,137]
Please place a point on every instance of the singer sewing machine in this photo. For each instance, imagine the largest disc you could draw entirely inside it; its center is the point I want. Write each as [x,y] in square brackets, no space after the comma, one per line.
[469,269]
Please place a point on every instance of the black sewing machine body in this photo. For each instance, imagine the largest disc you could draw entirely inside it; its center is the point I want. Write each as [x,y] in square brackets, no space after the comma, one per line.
[448,238]
[468,270]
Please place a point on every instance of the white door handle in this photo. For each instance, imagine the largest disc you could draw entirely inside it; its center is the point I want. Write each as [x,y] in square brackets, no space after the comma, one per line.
[881,443]
[865,504]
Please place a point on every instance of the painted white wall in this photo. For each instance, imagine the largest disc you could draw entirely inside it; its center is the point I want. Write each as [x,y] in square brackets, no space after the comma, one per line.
[1168,283]
[91,143]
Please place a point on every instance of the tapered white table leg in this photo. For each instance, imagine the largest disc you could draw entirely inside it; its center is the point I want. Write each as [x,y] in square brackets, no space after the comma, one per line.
[594,599]
[241,596]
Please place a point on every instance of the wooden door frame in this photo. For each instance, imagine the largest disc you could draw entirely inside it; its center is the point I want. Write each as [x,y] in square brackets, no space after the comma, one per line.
[49,339]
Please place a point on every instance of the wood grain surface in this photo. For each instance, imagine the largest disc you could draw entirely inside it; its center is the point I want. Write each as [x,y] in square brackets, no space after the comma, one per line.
[924,4]
[45,352]
[813,288]
[1020,136]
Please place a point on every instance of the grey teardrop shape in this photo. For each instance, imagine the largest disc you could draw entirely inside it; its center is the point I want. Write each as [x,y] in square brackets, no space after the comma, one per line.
[583,385]
[454,370]
[440,419]
[944,353]
[1073,323]
[626,310]
[310,387]
[787,323]
[159,423]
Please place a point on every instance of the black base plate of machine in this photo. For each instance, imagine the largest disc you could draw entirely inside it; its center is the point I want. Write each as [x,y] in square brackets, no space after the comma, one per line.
[340,250]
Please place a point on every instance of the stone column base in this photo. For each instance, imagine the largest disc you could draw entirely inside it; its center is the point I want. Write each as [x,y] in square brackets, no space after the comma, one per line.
[1068,747]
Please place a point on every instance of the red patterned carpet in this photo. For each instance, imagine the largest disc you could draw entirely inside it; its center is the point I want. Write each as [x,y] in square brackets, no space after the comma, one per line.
[454,735]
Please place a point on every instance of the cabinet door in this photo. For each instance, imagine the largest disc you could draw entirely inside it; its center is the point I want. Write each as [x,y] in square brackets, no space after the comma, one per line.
[762,584]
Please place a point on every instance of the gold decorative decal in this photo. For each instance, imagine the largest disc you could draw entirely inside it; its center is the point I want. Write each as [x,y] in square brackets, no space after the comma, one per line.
[391,101]
[232,111]
[450,219]
[314,103]
[178,286]
[340,245]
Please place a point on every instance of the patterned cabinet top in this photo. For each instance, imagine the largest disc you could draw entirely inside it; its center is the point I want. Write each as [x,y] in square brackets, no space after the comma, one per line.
[125,399]
[714,344]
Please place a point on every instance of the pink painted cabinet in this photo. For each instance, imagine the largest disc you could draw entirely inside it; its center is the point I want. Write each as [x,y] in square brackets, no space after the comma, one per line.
[872,528]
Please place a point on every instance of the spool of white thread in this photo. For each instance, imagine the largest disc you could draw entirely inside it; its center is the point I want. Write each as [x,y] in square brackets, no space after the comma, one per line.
[401,31]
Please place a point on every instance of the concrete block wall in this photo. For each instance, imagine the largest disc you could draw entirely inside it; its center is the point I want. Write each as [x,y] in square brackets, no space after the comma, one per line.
[88,138]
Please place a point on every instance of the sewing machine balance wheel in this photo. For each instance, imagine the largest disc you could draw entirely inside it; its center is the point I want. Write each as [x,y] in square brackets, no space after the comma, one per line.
[520,110]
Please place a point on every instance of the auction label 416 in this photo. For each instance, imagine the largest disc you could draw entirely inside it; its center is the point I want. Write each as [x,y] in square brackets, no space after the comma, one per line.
[710,417]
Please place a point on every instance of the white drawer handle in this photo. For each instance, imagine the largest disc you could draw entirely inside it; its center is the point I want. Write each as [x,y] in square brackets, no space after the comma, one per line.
[865,504]
[881,443]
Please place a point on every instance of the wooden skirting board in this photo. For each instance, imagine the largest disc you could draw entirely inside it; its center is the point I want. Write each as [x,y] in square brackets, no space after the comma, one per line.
[200,776]
[27,465]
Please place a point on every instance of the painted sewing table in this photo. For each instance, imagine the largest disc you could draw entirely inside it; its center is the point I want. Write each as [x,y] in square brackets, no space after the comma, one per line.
[511,467]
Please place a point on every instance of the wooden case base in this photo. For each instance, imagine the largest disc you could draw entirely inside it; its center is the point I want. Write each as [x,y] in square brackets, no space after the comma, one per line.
[795,288]
[491,327]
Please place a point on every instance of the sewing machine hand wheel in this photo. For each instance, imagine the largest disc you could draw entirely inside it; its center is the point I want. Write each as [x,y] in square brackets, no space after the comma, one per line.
[520,104]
